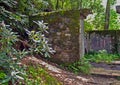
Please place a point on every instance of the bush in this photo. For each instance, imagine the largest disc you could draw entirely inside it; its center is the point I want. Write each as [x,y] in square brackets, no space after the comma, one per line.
[38,42]
[10,57]
[80,66]
[102,56]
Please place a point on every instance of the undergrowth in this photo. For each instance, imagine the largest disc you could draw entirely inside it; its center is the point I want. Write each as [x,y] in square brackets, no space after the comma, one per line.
[3,75]
[84,65]
[81,66]
[102,56]
[36,75]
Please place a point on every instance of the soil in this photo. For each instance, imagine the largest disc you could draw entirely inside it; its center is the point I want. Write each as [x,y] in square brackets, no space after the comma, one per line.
[68,78]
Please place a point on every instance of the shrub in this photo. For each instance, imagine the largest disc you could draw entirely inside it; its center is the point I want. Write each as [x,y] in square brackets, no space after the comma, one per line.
[38,42]
[80,66]
[10,57]
[102,56]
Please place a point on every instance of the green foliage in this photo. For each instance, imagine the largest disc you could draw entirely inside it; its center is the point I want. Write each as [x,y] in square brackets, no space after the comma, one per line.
[96,20]
[71,4]
[102,56]
[29,7]
[9,3]
[36,75]
[2,77]
[16,21]
[10,57]
[19,23]
[114,21]
[112,2]
[82,65]
[2,74]
[38,42]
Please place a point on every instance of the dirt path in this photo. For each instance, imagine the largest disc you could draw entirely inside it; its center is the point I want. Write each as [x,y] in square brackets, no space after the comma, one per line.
[68,78]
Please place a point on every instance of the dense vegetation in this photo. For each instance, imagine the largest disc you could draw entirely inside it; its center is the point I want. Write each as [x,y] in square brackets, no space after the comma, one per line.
[102,56]
[14,28]
[14,37]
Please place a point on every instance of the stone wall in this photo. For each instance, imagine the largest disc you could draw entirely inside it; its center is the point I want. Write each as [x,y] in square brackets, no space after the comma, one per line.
[63,33]
[108,40]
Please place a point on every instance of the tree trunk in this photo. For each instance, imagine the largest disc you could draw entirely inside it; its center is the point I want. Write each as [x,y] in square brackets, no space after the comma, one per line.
[80,4]
[57,4]
[62,3]
[107,15]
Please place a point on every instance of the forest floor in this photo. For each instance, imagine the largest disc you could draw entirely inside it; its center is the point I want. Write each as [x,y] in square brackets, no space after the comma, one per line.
[69,78]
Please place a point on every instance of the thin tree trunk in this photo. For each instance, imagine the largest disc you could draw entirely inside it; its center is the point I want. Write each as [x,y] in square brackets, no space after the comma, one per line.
[80,4]
[107,15]
[62,3]
[57,4]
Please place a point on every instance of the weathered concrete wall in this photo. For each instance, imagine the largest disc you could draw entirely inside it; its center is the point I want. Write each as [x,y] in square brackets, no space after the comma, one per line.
[63,33]
[108,40]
